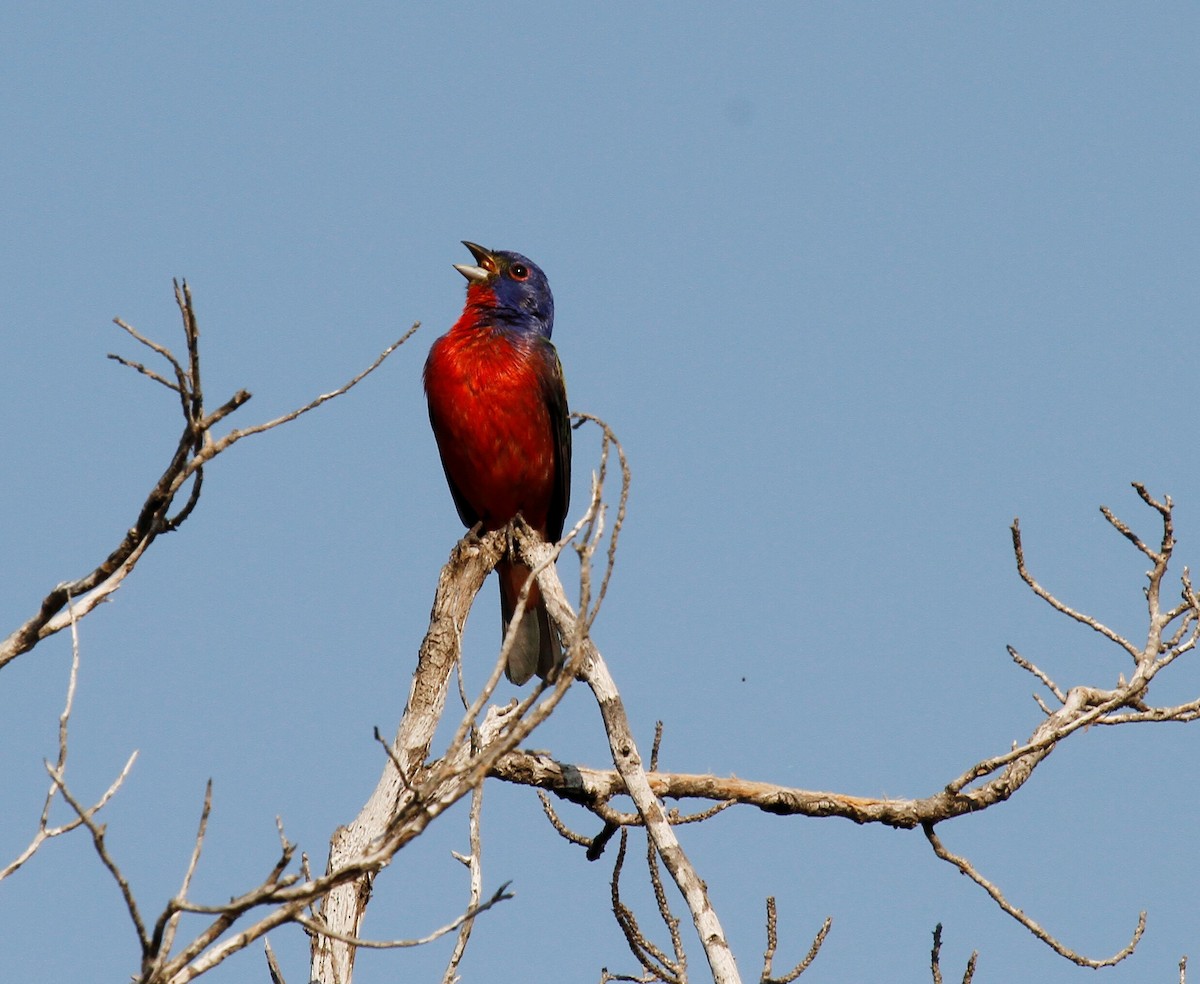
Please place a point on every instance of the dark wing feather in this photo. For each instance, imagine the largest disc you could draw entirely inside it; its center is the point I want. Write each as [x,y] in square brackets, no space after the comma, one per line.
[554,392]
[465,512]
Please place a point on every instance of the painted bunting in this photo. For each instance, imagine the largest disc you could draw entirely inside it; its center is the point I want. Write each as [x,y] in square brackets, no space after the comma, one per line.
[498,406]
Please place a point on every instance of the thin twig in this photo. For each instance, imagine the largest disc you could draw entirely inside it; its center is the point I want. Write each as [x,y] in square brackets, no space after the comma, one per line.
[272,964]
[502,894]
[138,367]
[164,932]
[561,828]
[965,866]
[1050,685]
[773,941]
[474,863]
[195,448]
[97,830]
[658,966]
[45,831]
[935,958]
[1057,605]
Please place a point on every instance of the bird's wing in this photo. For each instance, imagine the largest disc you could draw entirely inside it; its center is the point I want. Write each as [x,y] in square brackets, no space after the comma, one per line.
[468,515]
[554,392]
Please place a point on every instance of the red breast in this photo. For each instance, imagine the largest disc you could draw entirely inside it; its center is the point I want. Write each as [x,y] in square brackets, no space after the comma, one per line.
[491,423]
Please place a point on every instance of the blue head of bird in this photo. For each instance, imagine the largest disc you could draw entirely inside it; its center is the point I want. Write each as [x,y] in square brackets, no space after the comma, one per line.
[511,288]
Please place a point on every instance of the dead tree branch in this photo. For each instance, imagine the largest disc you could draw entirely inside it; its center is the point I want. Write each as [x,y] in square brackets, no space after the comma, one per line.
[773,941]
[585,659]
[414,788]
[197,446]
[1171,633]
[474,863]
[965,866]
[58,771]
[935,959]
[412,792]
[655,962]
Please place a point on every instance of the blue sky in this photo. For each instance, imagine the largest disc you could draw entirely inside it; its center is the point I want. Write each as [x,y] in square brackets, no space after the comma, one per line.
[856,284]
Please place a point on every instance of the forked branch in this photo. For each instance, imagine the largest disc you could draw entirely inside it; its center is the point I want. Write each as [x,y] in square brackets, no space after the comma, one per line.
[1171,633]
[935,959]
[58,771]
[197,446]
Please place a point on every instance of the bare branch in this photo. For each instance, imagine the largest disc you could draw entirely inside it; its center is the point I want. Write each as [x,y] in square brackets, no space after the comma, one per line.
[1057,605]
[46,832]
[415,789]
[273,964]
[182,382]
[474,863]
[502,894]
[195,448]
[561,828]
[668,917]
[773,941]
[87,816]
[1003,774]
[593,670]
[234,436]
[935,959]
[658,966]
[394,815]
[1050,685]
[608,440]
[138,367]
[965,866]
[590,787]
[1163,508]
[164,931]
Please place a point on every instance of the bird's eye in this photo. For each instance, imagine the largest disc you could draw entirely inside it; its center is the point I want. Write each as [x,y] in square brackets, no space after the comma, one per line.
[519,271]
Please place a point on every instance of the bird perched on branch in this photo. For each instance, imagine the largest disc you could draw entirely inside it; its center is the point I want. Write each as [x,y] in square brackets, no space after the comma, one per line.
[498,406]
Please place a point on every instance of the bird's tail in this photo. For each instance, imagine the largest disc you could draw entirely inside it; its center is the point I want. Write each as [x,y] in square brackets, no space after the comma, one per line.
[537,647]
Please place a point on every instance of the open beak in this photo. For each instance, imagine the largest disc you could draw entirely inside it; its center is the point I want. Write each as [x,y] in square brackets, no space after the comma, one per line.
[487,264]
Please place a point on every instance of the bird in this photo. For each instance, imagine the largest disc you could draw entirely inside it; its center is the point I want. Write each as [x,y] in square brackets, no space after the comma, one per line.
[498,408]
